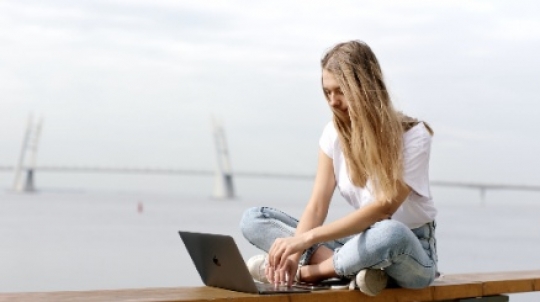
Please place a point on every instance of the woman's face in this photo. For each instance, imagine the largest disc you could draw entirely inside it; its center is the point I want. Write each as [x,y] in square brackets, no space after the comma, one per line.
[333,92]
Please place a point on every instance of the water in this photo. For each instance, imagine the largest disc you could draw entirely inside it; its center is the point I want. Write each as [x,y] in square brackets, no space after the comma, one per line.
[91,239]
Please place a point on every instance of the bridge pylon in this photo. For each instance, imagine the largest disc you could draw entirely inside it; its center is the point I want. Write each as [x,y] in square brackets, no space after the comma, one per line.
[26,164]
[223,185]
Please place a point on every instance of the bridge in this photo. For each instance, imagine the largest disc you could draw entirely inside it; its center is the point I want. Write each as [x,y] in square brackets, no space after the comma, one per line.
[224,187]
[482,187]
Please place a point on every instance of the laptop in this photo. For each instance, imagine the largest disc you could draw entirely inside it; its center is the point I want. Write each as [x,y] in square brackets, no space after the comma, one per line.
[220,264]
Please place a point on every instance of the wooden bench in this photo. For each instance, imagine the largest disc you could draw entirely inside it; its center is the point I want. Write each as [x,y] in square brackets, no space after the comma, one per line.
[462,287]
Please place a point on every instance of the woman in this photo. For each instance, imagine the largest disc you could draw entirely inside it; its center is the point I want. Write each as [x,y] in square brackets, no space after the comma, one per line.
[379,159]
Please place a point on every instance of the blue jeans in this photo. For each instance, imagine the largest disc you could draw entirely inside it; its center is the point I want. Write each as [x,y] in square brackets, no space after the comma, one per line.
[408,256]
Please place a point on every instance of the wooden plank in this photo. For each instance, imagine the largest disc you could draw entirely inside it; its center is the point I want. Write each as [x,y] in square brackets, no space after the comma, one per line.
[132,295]
[332,295]
[503,282]
[387,295]
[200,294]
[508,287]
[407,295]
[497,276]
[447,288]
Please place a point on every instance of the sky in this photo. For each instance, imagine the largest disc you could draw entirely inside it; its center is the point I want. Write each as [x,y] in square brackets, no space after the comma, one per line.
[135,83]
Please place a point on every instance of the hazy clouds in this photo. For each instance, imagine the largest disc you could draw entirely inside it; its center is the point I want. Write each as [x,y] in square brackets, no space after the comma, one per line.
[133,83]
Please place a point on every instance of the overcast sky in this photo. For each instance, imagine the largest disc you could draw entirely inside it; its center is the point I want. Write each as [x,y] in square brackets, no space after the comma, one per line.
[134,83]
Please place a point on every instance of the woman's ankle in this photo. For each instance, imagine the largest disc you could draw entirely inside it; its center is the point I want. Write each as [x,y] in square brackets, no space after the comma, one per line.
[305,274]
[316,272]
[321,254]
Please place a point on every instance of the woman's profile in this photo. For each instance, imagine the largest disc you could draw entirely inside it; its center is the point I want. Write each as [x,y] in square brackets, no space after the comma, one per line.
[378,159]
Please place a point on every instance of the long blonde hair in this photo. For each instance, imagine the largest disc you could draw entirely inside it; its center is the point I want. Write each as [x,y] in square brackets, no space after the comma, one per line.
[371,133]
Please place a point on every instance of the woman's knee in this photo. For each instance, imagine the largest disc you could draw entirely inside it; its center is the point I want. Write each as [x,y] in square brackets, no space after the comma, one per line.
[390,233]
[389,225]
[250,219]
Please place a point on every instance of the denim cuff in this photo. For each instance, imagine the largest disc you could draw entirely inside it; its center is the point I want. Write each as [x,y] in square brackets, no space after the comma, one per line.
[306,256]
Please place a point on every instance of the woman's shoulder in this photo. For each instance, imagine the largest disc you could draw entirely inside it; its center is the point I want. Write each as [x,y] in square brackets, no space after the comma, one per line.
[329,125]
[328,140]
[417,136]
[330,130]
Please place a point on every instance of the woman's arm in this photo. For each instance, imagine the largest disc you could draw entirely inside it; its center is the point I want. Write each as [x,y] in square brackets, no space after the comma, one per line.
[359,220]
[317,208]
[314,215]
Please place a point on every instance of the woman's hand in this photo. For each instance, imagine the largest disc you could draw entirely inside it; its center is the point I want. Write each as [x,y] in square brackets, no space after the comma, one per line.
[282,275]
[281,266]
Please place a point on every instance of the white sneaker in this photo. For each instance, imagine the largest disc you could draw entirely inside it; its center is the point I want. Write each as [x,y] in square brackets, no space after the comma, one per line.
[256,266]
[371,281]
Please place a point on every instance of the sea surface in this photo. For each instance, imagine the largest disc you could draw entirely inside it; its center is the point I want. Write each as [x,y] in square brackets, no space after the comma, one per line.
[103,237]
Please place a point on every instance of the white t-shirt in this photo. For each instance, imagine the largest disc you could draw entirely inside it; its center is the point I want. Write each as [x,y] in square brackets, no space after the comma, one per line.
[418,208]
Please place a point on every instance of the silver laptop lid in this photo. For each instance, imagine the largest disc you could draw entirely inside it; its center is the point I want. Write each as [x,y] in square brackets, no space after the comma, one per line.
[218,261]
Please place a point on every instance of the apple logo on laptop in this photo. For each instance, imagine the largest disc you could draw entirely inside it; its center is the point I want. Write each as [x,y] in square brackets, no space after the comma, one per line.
[216,261]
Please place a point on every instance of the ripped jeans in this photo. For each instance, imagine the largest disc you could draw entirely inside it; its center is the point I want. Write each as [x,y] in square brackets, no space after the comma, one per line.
[408,256]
